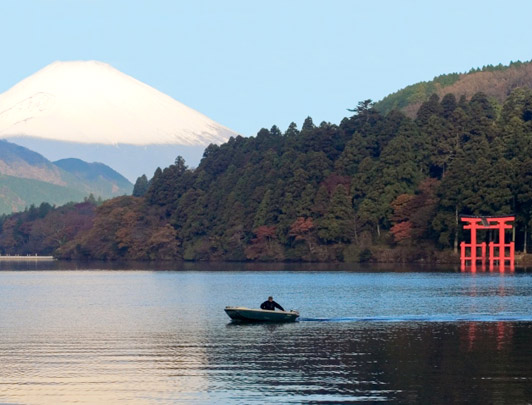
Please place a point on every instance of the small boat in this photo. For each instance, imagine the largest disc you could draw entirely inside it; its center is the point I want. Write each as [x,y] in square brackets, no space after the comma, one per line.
[244,314]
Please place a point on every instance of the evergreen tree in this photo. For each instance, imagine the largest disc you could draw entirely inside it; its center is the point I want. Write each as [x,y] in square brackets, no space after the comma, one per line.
[180,165]
[308,125]
[291,131]
[263,215]
[141,186]
[448,105]
[338,223]
[354,152]
[428,109]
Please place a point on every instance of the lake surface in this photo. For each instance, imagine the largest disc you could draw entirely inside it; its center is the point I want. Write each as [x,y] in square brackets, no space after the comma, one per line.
[367,335]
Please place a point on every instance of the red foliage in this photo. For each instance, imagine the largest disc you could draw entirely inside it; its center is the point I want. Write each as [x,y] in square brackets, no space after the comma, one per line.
[264,245]
[300,227]
[412,213]
[263,234]
[402,207]
[402,231]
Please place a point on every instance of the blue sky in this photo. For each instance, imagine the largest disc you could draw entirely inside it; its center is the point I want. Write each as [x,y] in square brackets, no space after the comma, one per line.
[250,64]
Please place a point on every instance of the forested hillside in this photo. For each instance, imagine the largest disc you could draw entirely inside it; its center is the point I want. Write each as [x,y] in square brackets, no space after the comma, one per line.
[496,82]
[374,187]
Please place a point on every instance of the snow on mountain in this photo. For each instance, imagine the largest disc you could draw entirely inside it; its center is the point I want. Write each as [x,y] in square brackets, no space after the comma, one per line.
[91,102]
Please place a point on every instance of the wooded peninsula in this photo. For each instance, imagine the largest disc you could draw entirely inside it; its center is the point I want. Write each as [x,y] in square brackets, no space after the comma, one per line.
[377,186]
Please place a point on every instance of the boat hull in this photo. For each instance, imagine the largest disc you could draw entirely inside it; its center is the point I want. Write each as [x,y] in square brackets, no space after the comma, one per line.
[242,314]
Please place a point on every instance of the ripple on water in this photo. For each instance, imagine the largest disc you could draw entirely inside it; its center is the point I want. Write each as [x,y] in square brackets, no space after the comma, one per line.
[143,337]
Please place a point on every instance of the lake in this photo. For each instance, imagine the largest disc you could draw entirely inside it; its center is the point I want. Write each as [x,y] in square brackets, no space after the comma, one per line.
[96,333]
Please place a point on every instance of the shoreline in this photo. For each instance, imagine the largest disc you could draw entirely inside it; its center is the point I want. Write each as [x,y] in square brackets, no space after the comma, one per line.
[17,258]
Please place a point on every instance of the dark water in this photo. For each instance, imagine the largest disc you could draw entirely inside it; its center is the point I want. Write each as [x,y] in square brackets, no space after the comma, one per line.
[158,337]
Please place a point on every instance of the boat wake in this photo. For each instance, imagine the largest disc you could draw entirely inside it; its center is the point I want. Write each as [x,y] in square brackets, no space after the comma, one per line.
[429,318]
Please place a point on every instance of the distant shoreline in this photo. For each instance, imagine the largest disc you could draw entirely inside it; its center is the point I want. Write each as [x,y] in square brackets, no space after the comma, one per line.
[18,258]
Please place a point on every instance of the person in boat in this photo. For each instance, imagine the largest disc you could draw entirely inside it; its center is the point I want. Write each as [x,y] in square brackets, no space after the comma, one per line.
[270,305]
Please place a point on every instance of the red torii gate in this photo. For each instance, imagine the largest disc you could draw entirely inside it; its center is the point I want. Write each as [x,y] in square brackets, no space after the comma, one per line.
[475,223]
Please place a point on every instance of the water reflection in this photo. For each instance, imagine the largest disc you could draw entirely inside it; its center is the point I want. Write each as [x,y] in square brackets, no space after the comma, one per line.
[151,337]
[422,363]
[91,371]
[291,363]
[203,266]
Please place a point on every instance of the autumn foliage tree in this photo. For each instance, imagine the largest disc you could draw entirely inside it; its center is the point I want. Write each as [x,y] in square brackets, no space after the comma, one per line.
[264,245]
[413,213]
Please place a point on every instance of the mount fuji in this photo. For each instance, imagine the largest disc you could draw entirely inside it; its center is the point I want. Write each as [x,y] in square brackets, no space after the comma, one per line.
[91,111]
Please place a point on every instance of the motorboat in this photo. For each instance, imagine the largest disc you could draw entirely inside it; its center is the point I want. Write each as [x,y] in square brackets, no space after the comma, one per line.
[244,314]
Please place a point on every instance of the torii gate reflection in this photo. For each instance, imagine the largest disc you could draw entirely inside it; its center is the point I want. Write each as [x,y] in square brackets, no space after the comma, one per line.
[497,250]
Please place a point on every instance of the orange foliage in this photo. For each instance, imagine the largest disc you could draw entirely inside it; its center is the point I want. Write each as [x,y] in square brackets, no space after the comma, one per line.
[402,231]
[402,207]
[126,228]
[265,245]
[300,227]
[412,213]
[263,234]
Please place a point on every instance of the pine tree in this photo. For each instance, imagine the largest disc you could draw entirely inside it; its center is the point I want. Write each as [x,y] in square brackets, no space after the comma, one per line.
[308,125]
[338,223]
[262,217]
[141,186]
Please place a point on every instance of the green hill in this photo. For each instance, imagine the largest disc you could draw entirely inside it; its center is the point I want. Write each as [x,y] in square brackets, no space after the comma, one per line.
[96,178]
[18,193]
[494,81]
[29,178]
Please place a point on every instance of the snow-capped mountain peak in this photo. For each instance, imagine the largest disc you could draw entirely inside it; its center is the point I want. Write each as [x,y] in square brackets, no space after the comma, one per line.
[91,102]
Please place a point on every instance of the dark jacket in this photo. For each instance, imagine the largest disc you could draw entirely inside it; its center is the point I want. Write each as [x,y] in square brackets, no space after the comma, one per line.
[270,306]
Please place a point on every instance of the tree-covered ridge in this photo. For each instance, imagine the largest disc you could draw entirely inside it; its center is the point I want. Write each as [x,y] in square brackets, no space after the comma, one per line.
[495,81]
[28,178]
[45,228]
[374,187]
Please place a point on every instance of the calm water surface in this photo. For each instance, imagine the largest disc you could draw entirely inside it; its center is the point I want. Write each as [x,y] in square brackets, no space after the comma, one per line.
[158,337]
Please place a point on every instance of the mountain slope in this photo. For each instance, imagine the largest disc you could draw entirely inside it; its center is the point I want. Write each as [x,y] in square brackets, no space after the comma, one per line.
[100,179]
[92,102]
[21,162]
[26,178]
[91,111]
[18,193]
[495,81]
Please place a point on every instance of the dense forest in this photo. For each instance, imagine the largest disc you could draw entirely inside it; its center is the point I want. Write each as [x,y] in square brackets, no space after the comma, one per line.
[375,187]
